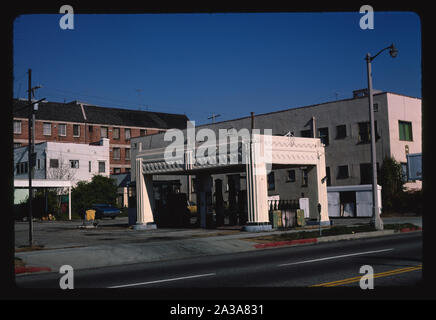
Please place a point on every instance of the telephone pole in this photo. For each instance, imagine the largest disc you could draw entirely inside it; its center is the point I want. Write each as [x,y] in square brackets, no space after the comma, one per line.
[214,116]
[30,158]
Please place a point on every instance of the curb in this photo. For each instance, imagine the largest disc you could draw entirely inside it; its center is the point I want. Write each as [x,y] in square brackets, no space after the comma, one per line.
[285,243]
[410,229]
[20,270]
[334,238]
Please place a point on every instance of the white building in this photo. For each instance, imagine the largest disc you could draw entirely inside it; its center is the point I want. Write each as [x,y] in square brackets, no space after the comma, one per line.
[62,161]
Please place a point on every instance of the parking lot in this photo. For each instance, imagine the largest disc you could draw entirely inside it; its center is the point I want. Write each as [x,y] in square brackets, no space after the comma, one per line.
[68,234]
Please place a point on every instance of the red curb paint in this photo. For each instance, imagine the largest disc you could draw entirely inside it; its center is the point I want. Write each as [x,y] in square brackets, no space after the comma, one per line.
[410,229]
[284,243]
[30,269]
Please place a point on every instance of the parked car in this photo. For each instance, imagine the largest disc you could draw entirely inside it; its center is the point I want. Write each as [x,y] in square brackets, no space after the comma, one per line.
[105,211]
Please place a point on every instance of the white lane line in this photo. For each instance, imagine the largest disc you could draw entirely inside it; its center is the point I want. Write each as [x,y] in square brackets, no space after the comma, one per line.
[335,257]
[163,280]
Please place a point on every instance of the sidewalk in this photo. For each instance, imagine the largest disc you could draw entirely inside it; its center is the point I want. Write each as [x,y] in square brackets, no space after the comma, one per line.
[159,245]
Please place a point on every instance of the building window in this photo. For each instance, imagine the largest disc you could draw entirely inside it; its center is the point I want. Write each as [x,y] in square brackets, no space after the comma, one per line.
[101,167]
[126,170]
[366,173]
[142,132]
[90,128]
[116,134]
[365,132]
[54,163]
[405,130]
[291,176]
[375,107]
[324,135]
[341,131]
[89,166]
[76,130]
[304,178]
[116,154]
[21,168]
[17,127]
[127,134]
[271,181]
[327,173]
[74,164]
[62,129]
[342,172]
[17,145]
[46,129]
[103,132]
[38,164]
[117,170]
[306,133]
[127,152]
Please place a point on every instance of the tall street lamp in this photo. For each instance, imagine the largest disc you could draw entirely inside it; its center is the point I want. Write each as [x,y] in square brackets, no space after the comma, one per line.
[375,219]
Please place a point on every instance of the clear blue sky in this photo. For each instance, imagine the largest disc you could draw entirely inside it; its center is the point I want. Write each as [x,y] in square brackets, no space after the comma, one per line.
[226,63]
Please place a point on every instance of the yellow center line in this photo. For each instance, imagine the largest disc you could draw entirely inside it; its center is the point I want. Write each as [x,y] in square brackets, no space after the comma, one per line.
[376,275]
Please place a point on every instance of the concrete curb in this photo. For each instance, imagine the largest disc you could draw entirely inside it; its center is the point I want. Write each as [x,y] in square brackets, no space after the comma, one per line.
[353,236]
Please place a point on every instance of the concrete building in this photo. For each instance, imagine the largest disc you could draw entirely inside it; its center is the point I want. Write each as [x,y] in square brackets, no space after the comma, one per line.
[81,123]
[343,128]
[72,162]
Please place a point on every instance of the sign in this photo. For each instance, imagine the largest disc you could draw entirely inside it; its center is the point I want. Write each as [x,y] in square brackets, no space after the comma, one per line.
[414,166]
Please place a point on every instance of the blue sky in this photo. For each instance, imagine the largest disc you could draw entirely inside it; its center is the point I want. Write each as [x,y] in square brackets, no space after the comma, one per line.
[226,63]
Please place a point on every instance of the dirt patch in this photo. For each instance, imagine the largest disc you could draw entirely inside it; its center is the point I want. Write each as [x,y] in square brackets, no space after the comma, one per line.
[19,262]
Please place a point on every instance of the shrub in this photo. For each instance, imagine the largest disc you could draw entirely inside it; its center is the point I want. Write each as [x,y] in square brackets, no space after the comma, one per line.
[100,190]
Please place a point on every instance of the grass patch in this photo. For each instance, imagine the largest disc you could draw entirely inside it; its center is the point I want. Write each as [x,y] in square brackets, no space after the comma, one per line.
[398,226]
[332,231]
[27,248]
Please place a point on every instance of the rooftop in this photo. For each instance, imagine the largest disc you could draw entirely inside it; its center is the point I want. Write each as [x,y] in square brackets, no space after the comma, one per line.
[72,112]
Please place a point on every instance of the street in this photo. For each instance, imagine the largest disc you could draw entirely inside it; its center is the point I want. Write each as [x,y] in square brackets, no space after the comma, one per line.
[396,261]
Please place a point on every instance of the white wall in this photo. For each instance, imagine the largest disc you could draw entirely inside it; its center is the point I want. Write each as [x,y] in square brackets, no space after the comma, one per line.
[74,151]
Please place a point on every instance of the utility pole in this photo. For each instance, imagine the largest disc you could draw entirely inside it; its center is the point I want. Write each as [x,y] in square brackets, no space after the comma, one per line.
[214,116]
[30,158]
[313,127]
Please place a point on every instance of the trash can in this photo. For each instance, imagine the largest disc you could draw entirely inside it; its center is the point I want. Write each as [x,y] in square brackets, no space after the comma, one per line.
[300,218]
[90,215]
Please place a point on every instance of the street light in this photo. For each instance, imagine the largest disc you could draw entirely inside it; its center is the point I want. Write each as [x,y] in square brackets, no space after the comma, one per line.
[375,219]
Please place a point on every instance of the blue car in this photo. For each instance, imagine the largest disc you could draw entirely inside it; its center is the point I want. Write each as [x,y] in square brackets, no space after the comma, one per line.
[105,211]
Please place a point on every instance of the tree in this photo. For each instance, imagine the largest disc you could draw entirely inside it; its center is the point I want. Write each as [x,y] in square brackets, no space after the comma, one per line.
[392,182]
[100,190]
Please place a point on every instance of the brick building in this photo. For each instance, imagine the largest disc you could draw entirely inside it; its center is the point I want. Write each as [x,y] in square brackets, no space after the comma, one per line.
[77,122]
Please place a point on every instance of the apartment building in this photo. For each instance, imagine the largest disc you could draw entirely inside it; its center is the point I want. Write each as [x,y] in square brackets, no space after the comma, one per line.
[78,122]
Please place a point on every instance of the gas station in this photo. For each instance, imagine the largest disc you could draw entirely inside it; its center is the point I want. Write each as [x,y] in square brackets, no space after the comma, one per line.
[283,151]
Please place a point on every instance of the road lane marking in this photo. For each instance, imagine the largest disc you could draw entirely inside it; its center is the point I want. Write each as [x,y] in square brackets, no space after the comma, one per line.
[163,280]
[335,257]
[377,275]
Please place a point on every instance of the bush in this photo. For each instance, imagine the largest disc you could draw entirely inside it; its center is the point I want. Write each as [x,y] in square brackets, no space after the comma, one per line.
[100,190]
[392,183]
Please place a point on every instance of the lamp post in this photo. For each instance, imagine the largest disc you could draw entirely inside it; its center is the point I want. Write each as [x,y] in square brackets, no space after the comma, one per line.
[375,219]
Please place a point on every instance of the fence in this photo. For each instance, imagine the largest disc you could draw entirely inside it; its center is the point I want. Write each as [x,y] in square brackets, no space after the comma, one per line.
[283,213]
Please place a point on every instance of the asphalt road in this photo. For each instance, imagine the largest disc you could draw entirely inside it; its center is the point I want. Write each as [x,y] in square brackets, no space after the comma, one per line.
[396,261]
